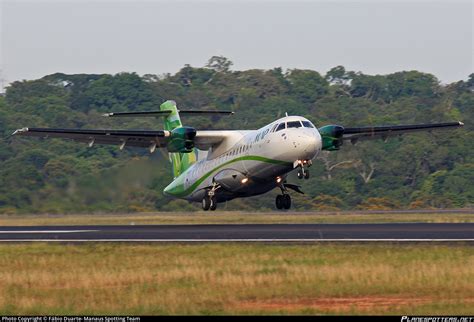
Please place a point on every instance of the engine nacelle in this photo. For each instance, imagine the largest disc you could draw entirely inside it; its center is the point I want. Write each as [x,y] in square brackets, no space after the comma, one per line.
[331,136]
[182,140]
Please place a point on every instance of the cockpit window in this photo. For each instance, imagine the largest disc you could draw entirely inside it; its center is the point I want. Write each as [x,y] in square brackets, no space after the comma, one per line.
[307,124]
[294,124]
[281,126]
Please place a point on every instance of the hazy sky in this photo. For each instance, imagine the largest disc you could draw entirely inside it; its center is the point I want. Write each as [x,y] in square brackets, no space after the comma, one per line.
[155,37]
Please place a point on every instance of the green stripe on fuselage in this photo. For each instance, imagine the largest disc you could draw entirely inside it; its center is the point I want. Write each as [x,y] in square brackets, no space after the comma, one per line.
[176,188]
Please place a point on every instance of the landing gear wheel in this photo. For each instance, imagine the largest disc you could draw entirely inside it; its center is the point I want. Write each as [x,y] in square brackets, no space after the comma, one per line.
[286,201]
[306,174]
[300,174]
[279,202]
[213,205]
[206,203]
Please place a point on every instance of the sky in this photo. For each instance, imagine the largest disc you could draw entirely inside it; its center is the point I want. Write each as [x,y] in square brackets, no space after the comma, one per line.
[38,38]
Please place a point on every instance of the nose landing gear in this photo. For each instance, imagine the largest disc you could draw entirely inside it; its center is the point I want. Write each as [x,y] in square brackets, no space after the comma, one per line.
[303,166]
[303,173]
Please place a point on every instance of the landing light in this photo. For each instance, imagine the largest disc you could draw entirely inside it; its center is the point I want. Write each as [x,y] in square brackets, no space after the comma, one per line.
[278,179]
[244,180]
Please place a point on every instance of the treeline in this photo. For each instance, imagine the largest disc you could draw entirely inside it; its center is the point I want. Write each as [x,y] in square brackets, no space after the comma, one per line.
[421,170]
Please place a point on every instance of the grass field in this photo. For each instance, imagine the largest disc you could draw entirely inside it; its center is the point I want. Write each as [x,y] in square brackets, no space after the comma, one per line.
[236,279]
[143,279]
[220,217]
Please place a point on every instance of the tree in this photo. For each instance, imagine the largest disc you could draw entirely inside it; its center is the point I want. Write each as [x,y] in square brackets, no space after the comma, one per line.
[412,83]
[416,170]
[368,86]
[307,85]
[338,76]
[219,64]
[329,166]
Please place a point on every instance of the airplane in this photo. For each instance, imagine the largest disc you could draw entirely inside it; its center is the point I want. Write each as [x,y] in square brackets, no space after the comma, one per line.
[214,166]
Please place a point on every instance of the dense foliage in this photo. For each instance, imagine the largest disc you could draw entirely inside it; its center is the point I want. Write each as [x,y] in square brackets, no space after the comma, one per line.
[414,171]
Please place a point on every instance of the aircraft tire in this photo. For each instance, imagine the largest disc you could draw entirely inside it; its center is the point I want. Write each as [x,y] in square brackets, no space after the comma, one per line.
[279,202]
[286,201]
[213,205]
[300,174]
[206,203]
[306,174]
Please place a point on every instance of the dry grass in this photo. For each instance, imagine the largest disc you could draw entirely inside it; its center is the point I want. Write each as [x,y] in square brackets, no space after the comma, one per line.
[236,279]
[221,217]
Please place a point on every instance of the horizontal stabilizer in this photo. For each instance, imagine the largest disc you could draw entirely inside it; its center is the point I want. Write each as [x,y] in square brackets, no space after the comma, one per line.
[205,112]
[164,113]
[141,114]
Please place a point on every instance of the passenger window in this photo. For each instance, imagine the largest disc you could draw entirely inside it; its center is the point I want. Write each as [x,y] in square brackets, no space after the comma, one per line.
[294,124]
[280,127]
[307,124]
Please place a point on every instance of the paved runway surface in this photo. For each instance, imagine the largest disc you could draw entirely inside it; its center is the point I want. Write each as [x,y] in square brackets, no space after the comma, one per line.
[245,233]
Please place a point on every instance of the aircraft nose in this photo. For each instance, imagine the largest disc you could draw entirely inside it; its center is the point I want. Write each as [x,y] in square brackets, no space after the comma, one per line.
[309,145]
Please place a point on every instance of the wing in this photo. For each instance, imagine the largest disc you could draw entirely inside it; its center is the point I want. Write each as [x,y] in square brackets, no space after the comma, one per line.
[356,133]
[204,140]
[142,139]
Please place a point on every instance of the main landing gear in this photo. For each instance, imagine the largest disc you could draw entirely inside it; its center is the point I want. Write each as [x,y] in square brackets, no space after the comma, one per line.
[283,201]
[209,202]
[303,166]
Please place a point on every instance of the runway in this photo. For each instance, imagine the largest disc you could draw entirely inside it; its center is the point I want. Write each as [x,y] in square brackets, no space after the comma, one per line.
[391,232]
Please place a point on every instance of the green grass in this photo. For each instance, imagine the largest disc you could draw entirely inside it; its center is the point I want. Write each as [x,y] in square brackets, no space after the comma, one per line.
[236,279]
[220,217]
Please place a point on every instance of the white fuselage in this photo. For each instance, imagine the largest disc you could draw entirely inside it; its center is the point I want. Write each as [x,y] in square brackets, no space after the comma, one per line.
[257,161]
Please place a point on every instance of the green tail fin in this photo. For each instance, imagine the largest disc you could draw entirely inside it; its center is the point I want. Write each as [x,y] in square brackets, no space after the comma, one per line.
[179,161]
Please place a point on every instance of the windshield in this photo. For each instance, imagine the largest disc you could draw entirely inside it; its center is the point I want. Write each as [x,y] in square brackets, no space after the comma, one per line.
[294,124]
[280,127]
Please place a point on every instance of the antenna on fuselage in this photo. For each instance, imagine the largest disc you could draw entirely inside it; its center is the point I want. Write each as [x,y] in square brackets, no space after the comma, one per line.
[286,113]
